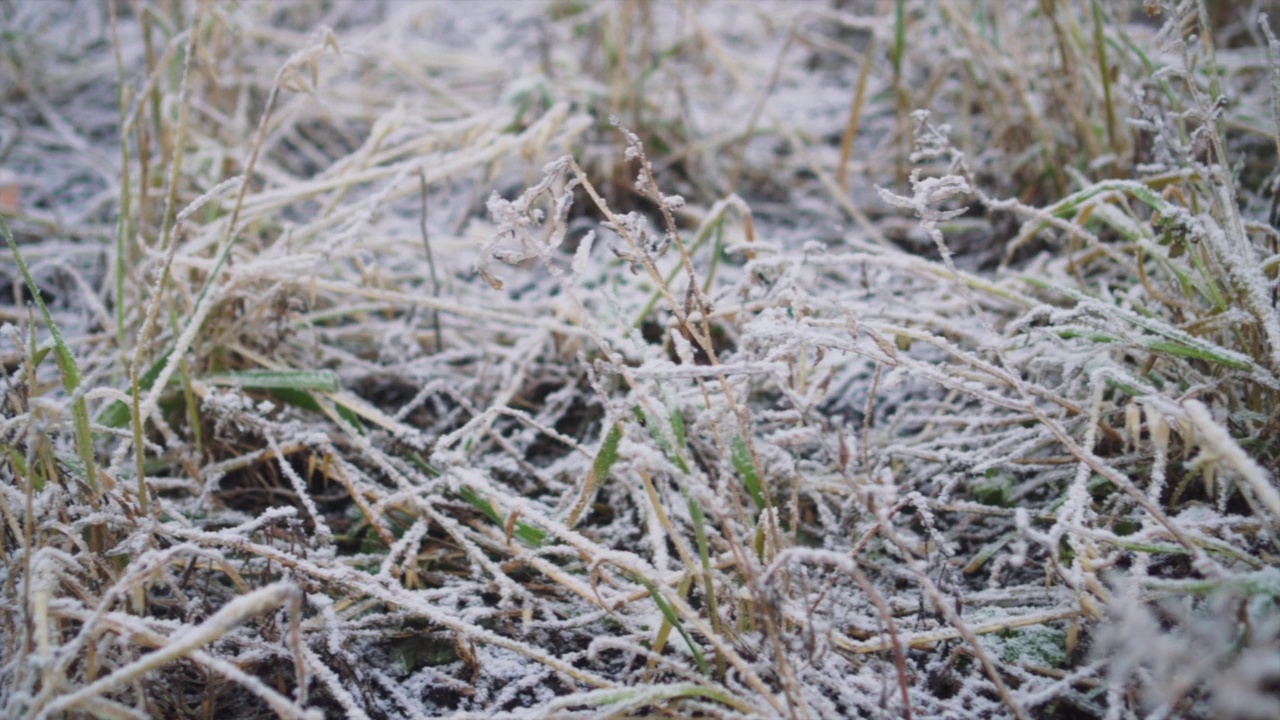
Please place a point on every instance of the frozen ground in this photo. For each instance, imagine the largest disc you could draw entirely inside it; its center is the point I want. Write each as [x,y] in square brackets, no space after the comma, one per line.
[655,359]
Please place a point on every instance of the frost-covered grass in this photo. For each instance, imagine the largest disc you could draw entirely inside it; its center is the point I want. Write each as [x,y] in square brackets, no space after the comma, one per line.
[576,359]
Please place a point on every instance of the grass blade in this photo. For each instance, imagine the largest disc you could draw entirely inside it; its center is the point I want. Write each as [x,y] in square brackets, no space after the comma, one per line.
[69,370]
[671,617]
[746,469]
[605,458]
[530,535]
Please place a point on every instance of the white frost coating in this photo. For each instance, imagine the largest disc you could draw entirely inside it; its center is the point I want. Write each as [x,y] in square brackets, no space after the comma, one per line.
[1216,440]
[1158,427]
[181,644]
[217,191]
[1246,275]
[517,383]
[334,685]
[582,255]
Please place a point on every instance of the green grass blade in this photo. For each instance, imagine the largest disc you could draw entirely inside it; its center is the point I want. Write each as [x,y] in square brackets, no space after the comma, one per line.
[321,380]
[528,534]
[605,458]
[673,453]
[741,458]
[682,441]
[423,465]
[484,506]
[708,587]
[670,615]
[608,454]
[1174,347]
[1170,339]
[69,370]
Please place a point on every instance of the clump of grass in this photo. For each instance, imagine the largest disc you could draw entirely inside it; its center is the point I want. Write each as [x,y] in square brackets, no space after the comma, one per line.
[549,382]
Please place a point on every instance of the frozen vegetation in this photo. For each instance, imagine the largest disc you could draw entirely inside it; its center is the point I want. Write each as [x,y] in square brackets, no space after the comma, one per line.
[880,359]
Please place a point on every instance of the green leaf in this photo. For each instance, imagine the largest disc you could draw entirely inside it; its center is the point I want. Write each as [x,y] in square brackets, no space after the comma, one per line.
[1174,347]
[423,465]
[700,531]
[995,491]
[19,464]
[741,458]
[664,443]
[605,458]
[473,498]
[682,441]
[608,454]
[1127,388]
[322,380]
[303,399]
[1163,338]
[69,370]
[526,533]
[670,614]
